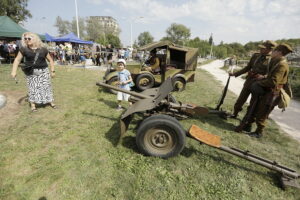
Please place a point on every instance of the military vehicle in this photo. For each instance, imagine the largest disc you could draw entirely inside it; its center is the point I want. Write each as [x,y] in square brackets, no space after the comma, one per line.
[176,61]
[160,133]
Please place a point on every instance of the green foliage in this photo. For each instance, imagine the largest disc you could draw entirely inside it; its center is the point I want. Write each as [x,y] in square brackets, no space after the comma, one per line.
[178,33]
[94,29]
[81,25]
[294,79]
[90,29]
[15,9]
[113,40]
[63,26]
[202,45]
[145,38]
[210,40]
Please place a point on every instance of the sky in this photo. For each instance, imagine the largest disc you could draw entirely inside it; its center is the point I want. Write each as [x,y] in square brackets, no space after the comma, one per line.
[228,20]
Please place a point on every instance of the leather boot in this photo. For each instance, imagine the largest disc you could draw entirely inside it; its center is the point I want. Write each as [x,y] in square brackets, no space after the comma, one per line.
[257,133]
[247,128]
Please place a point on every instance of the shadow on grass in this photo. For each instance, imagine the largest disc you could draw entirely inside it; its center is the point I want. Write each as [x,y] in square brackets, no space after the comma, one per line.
[113,135]
[129,142]
[188,151]
[102,116]
[217,121]
[112,104]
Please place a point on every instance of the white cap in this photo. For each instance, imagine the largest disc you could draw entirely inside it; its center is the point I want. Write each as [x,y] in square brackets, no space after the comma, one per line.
[122,61]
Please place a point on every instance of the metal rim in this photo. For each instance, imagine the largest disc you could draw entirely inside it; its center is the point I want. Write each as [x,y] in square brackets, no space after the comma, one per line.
[160,139]
[144,82]
[179,84]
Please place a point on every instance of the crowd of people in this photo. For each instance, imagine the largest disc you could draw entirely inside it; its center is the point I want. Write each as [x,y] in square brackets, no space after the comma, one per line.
[8,50]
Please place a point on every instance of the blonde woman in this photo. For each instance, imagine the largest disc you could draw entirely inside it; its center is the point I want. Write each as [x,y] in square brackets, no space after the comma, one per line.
[38,75]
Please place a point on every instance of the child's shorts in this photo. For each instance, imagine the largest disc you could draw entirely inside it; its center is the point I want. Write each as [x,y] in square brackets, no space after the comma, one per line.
[122,96]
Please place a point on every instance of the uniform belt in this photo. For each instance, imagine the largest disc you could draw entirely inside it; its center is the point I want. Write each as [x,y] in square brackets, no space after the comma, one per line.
[252,74]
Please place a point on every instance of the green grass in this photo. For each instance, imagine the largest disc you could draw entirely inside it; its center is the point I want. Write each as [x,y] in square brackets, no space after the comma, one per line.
[71,153]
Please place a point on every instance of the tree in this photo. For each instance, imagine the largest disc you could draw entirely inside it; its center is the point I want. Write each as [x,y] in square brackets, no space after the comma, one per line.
[113,40]
[94,30]
[210,40]
[178,33]
[81,24]
[97,31]
[145,38]
[202,45]
[63,26]
[15,9]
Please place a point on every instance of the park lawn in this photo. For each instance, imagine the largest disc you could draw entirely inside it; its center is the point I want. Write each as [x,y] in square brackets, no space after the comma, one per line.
[72,152]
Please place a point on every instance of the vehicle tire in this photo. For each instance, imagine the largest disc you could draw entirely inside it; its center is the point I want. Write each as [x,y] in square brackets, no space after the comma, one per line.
[179,84]
[160,136]
[144,81]
[113,81]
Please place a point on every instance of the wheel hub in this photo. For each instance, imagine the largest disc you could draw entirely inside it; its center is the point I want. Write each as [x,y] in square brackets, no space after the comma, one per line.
[178,84]
[144,81]
[160,139]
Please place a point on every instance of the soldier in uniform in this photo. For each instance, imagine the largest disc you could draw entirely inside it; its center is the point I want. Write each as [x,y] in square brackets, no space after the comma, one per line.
[257,68]
[153,63]
[266,92]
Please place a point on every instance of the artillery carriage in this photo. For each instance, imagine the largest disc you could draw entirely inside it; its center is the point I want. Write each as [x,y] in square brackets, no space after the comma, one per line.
[160,133]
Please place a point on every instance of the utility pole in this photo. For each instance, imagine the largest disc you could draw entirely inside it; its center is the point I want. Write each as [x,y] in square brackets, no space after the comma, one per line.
[131,21]
[78,35]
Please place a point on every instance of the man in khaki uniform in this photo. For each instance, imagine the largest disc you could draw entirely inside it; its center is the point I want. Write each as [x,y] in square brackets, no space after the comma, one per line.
[153,63]
[257,68]
[267,90]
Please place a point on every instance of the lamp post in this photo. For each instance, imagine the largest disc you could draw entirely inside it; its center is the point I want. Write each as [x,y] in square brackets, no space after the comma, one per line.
[78,35]
[131,22]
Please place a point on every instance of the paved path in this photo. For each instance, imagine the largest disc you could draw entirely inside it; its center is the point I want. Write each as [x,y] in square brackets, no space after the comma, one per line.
[288,120]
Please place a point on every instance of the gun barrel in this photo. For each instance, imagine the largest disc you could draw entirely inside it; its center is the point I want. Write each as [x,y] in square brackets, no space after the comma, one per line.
[135,94]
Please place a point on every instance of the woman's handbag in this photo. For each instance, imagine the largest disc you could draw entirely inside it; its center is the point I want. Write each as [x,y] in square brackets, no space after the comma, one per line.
[27,69]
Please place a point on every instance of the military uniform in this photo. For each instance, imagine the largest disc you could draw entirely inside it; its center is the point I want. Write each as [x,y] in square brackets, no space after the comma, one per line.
[258,65]
[276,78]
[274,82]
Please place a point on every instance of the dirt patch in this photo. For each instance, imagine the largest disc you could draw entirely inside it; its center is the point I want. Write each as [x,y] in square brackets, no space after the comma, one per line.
[12,108]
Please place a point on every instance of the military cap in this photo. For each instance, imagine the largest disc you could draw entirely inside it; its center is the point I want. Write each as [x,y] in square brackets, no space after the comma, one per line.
[269,44]
[284,49]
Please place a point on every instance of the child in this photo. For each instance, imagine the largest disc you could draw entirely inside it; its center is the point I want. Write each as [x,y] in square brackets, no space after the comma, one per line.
[125,79]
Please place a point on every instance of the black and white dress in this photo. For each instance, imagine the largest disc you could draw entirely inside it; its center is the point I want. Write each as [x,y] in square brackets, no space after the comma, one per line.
[39,82]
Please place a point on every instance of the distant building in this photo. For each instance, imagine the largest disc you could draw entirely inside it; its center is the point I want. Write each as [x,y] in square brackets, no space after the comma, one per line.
[109,23]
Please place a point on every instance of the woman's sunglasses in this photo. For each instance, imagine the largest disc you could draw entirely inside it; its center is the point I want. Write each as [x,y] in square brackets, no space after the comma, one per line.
[27,38]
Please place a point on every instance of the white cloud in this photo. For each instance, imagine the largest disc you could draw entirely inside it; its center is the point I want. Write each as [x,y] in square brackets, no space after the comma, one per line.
[236,20]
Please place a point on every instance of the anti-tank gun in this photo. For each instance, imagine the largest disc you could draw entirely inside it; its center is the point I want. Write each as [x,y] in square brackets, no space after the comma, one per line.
[161,134]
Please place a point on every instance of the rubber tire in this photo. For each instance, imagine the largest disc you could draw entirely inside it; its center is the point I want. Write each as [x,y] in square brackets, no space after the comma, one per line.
[141,87]
[110,81]
[169,123]
[182,81]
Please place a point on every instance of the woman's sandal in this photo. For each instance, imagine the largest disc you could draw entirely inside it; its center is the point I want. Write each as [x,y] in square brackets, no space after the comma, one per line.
[53,106]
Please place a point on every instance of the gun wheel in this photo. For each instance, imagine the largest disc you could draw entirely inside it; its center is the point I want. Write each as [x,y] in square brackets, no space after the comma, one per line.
[179,84]
[144,81]
[160,136]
